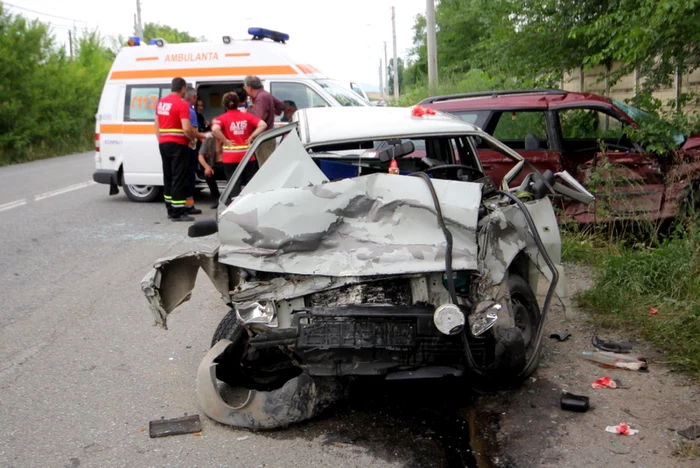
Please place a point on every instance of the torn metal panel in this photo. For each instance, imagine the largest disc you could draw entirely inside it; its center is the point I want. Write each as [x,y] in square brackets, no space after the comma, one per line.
[172,279]
[504,234]
[379,224]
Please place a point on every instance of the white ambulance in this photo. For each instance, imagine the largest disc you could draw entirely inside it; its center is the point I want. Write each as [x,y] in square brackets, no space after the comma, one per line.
[126,150]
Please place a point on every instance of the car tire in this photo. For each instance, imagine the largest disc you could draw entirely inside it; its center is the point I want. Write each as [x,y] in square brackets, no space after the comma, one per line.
[234,371]
[143,193]
[527,318]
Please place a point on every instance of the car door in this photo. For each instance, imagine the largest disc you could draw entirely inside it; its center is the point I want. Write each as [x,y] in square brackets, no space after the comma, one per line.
[627,182]
[295,95]
[528,133]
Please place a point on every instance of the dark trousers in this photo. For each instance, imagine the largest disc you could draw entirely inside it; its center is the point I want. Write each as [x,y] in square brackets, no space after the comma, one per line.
[219,174]
[192,170]
[176,161]
[250,169]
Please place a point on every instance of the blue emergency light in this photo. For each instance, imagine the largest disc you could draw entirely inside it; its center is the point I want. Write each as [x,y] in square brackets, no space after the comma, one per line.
[134,41]
[261,33]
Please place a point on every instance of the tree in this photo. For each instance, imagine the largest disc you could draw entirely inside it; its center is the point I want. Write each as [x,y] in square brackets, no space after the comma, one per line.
[171,35]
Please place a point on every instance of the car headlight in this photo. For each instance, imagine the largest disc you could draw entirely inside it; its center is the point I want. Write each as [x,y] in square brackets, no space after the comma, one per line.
[484,317]
[258,312]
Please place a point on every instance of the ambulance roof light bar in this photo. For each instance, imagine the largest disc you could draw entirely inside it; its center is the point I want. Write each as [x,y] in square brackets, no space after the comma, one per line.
[157,41]
[261,33]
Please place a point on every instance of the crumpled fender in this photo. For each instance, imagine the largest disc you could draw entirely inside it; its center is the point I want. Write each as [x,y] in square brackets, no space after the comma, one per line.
[504,234]
[299,399]
[172,279]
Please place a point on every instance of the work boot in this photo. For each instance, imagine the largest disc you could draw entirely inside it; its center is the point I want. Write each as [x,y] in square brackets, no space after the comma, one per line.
[214,206]
[182,218]
[193,211]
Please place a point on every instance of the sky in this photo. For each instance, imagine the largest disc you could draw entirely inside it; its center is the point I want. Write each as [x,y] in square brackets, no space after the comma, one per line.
[344,40]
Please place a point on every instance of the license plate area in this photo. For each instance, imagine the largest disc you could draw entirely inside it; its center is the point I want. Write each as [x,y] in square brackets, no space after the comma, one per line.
[356,334]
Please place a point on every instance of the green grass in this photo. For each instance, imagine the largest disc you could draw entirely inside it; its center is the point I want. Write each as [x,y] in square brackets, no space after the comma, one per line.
[48,149]
[631,281]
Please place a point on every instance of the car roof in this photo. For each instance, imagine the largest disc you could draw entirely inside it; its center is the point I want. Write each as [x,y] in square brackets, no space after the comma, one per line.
[321,125]
[518,99]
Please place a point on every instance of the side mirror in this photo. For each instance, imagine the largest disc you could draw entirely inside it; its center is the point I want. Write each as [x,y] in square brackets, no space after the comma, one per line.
[203,228]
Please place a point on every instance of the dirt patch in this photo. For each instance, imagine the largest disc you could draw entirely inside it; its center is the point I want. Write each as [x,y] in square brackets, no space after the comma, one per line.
[530,429]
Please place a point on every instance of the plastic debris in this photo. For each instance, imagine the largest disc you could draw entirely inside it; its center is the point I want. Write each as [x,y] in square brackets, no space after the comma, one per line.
[604,382]
[572,402]
[612,346]
[167,427]
[622,429]
[241,439]
[692,433]
[653,311]
[560,336]
[614,360]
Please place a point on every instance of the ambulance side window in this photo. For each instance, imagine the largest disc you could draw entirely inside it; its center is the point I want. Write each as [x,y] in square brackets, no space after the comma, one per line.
[141,100]
[301,95]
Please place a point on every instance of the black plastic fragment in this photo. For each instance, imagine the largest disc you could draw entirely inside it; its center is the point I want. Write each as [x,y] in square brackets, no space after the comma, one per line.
[571,402]
[612,346]
[176,426]
[560,336]
[692,432]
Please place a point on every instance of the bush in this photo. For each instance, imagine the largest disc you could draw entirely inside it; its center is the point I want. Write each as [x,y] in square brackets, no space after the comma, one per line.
[49,99]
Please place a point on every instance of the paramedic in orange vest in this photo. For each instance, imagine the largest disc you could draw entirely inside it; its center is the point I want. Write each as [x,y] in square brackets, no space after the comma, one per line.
[236,130]
[174,132]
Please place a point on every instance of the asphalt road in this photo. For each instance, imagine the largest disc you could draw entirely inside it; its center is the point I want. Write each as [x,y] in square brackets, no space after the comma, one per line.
[82,367]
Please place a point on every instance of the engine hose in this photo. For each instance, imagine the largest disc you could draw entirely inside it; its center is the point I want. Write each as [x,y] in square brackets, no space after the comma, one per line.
[550,265]
[446,232]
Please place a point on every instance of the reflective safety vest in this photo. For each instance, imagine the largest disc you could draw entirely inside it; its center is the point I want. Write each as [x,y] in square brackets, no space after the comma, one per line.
[235,153]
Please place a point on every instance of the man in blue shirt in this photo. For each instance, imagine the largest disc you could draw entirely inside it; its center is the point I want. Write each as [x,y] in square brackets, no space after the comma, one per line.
[191,99]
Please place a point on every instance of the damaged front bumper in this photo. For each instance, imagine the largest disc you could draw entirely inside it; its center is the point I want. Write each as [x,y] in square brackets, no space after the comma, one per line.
[299,399]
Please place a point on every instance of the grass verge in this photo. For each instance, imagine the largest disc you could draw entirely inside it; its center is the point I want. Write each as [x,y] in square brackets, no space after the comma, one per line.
[47,149]
[631,281]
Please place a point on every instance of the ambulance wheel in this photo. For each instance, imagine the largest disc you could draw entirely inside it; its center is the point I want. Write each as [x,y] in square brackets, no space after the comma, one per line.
[143,193]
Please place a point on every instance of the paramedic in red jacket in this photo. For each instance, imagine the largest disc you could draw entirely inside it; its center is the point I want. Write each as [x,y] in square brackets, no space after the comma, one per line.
[236,130]
[174,131]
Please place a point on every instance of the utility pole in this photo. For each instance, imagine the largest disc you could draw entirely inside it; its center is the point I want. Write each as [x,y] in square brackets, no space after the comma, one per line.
[70,43]
[385,91]
[139,24]
[381,78]
[396,60]
[432,44]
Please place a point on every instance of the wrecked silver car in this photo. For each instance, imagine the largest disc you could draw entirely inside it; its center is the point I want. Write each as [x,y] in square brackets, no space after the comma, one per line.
[369,244]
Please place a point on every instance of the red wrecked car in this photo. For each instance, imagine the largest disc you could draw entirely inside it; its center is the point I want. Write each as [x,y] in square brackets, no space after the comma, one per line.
[584,134]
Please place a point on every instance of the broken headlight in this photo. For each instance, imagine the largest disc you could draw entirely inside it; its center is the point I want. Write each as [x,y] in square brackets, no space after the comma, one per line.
[484,317]
[258,312]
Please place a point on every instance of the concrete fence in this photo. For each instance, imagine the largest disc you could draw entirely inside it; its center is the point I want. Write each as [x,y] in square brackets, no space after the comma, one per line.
[595,80]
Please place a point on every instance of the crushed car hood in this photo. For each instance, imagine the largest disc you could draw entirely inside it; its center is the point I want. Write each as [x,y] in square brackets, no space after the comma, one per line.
[379,224]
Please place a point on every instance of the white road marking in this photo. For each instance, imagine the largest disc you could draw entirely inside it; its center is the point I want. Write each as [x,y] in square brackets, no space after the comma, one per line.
[14,204]
[61,191]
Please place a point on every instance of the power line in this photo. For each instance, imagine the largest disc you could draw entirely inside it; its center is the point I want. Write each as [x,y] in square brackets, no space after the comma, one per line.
[44,14]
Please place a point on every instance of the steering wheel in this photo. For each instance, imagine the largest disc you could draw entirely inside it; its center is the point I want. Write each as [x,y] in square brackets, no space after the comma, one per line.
[473,171]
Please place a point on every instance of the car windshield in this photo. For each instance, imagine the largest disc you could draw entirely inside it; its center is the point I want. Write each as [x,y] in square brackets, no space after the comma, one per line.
[346,97]
[644,119]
